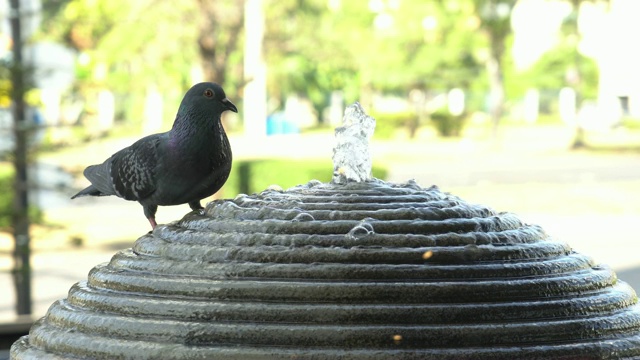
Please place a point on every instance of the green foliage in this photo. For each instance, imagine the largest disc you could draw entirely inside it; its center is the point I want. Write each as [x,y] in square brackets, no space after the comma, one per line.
[81,24]
[388,123]
[631,123]
[311,49]
[561,66]
[447,124]
[551,70]
[6,196]
[305,53]
[251,176]
[314,50]
[132,47]
[430,46]
[495,16]
[6,199]
[549,119]
[549,75]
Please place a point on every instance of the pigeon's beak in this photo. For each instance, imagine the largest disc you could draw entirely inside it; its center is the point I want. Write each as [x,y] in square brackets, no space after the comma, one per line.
[229,105]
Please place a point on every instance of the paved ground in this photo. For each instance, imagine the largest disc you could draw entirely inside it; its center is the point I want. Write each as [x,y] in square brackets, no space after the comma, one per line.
[591,201]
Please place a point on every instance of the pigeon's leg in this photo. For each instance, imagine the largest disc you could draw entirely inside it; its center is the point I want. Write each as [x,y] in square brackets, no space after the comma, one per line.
[195,205]
[150,214]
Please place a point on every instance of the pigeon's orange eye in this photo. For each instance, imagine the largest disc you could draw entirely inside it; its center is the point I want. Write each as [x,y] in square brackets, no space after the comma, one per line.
[209,93]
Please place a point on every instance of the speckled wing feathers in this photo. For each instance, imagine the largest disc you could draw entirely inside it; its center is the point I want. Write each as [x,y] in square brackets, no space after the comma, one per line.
[133,169]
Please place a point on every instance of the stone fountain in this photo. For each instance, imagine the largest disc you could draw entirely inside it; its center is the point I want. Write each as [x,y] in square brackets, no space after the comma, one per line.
[354,269]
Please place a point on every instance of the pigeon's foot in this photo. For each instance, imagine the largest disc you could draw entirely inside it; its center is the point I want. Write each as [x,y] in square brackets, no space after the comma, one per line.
[152,221]
[195,205]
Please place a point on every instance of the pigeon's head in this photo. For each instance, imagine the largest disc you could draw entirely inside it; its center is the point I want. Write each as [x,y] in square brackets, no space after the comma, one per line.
[207,97]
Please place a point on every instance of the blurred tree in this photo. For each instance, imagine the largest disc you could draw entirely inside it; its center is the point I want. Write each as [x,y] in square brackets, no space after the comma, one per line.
[131,47]
[562,66]
[428,45]
[318,46]
[495,21]
[581,72]
[312,47]
[20,223]
[307,53]
[81,24]
[219,30]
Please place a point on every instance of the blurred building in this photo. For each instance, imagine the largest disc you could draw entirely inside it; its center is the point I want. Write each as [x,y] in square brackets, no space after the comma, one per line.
[610,34]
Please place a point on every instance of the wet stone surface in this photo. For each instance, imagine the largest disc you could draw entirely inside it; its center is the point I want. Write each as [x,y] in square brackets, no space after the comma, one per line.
[365,270]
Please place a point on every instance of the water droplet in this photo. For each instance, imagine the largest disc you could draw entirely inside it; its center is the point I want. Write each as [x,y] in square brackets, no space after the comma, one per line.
[359,230]
[363,228]
[303,217]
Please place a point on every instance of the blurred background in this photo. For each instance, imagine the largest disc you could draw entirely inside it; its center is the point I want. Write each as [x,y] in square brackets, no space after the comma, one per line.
[528,106]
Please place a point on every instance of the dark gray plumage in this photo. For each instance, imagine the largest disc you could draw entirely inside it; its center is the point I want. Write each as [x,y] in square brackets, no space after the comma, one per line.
[184,165]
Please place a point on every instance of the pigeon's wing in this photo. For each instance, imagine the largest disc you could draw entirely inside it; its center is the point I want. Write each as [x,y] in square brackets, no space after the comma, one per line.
[133,169]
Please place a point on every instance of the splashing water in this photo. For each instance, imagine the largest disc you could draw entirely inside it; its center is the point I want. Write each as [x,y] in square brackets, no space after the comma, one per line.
[351,157]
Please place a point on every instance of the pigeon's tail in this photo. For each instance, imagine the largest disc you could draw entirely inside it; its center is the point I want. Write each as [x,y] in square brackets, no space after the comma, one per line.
[100,178]
[89,191]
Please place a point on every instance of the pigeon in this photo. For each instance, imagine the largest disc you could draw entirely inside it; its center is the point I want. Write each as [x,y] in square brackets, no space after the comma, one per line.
[183,165]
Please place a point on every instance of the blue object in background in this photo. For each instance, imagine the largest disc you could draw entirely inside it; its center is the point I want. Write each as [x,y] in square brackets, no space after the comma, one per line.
[274,123]
[278,124]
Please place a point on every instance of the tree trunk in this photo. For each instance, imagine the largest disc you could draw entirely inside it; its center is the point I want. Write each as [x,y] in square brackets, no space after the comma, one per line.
[20,220]
[496,93]
[220,26]
[497,25]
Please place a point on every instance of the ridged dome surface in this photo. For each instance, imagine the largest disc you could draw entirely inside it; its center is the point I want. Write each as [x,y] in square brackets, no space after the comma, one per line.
[359,271]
